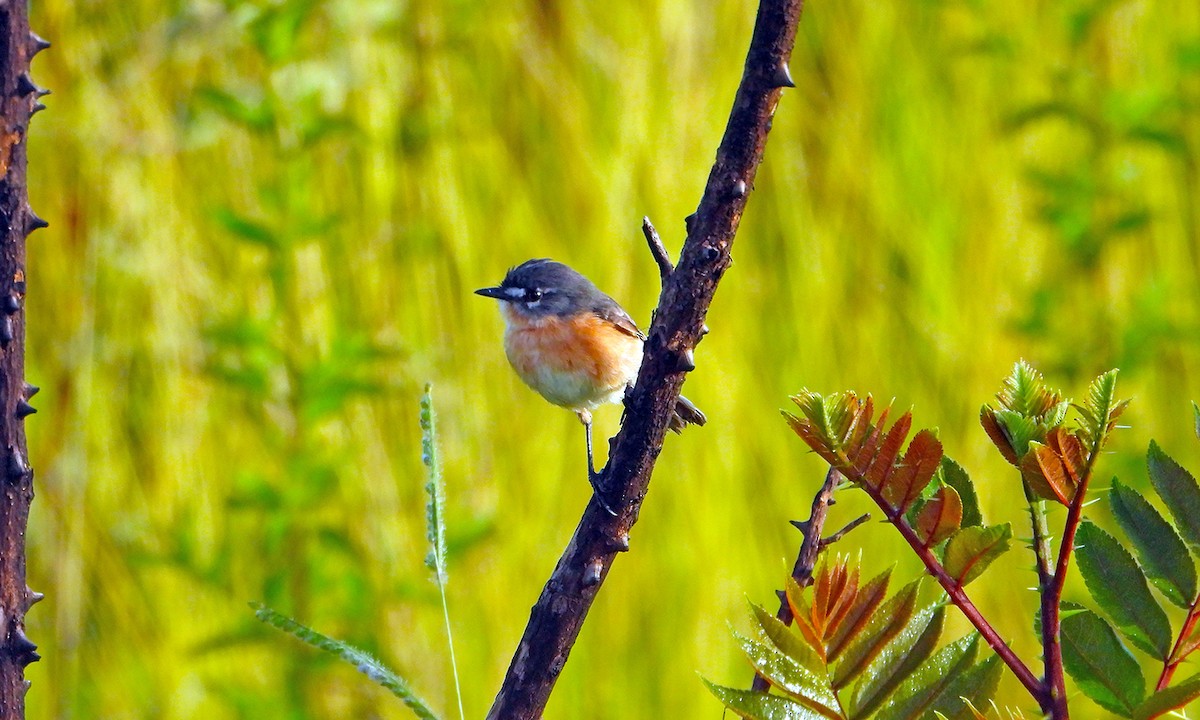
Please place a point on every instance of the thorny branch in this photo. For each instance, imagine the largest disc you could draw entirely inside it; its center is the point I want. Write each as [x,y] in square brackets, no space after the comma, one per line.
[678,325]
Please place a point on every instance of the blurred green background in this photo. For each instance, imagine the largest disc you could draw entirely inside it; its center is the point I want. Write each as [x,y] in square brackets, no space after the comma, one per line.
[267,219]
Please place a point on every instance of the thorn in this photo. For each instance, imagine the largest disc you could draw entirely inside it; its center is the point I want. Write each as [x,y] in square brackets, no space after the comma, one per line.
[37,44]
[685,361]
[37,108]
[831,502]
[782,77]
[35,597]
[591,576]
[24,409]
[6,331]
[703,329]
[781,595]
[739,189]
[33,222]
[801,525]
[21,642]
[17,469]
[12,304]
[25,85]
[689,221]
[31,390]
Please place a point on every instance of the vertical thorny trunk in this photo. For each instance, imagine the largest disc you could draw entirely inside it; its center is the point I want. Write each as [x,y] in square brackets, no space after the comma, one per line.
[18,101]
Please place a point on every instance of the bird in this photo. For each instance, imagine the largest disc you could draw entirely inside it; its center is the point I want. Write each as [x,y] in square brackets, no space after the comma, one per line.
[573,344]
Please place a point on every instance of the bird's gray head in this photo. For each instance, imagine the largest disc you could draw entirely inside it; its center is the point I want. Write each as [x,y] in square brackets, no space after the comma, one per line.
[540,288]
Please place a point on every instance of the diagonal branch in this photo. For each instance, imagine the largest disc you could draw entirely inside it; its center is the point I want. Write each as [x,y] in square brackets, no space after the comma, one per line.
[678,325]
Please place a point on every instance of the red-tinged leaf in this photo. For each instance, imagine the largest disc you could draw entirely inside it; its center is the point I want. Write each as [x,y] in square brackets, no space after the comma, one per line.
[1101,666]
[802,612]
[1045,474]
[861,460]
[920,462]
[811,437]
[987,418]
[924,686]
[845,601]
[885,624]
[869,597]
[828,586]
[940,517]
[885,459]
[861,426]
[789,676]
[1070,451]
[761,706]
[1168,699]
[970,550]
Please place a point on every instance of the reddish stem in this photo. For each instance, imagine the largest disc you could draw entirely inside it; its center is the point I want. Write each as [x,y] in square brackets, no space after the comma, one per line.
[958,596]
[1172,663]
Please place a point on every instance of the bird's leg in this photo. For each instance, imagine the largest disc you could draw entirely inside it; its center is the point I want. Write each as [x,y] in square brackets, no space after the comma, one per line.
[585,417]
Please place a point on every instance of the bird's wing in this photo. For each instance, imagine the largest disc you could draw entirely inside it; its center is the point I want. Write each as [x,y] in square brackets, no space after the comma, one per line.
[615,315]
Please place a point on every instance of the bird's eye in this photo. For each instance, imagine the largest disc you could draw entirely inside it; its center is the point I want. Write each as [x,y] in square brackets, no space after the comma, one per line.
[533,295]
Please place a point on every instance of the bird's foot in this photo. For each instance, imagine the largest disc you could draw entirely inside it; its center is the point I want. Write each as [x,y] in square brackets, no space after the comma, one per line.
[595,479]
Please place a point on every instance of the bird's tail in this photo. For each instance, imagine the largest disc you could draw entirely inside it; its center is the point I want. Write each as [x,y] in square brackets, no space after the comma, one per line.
[686,414]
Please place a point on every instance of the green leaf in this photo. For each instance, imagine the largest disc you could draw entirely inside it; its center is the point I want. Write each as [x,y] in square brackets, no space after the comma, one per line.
[921,689]
[1168,699]
[786,639]
[1178,490]
[903,654]
[956,477]
[971,549]
[1118,585]
[1100,664]
[1098,414]
[761,706]
[977,685]
[788,675]
[884,625]
[1161,551]
[363,662]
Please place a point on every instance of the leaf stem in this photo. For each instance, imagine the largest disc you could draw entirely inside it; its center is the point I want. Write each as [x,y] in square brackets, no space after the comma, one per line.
[959,597]
[1172,663]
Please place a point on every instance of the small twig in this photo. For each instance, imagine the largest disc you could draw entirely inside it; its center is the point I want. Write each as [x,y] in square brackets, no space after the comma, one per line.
[826,542]
[658,250]
[806,559]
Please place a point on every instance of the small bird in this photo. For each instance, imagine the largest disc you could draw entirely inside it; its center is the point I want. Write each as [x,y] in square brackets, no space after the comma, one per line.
[574,345]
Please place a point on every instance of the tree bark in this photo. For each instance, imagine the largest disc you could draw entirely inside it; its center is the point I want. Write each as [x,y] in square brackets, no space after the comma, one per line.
[19,100]
[678,325]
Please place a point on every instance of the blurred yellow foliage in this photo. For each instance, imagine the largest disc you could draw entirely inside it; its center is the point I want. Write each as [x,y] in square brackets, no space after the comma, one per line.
[267,219]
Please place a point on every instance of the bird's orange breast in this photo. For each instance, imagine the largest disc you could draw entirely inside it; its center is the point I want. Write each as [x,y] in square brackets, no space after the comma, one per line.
[578,362]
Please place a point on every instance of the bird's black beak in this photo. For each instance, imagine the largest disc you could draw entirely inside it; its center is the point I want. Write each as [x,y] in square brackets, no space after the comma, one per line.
[492,292]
